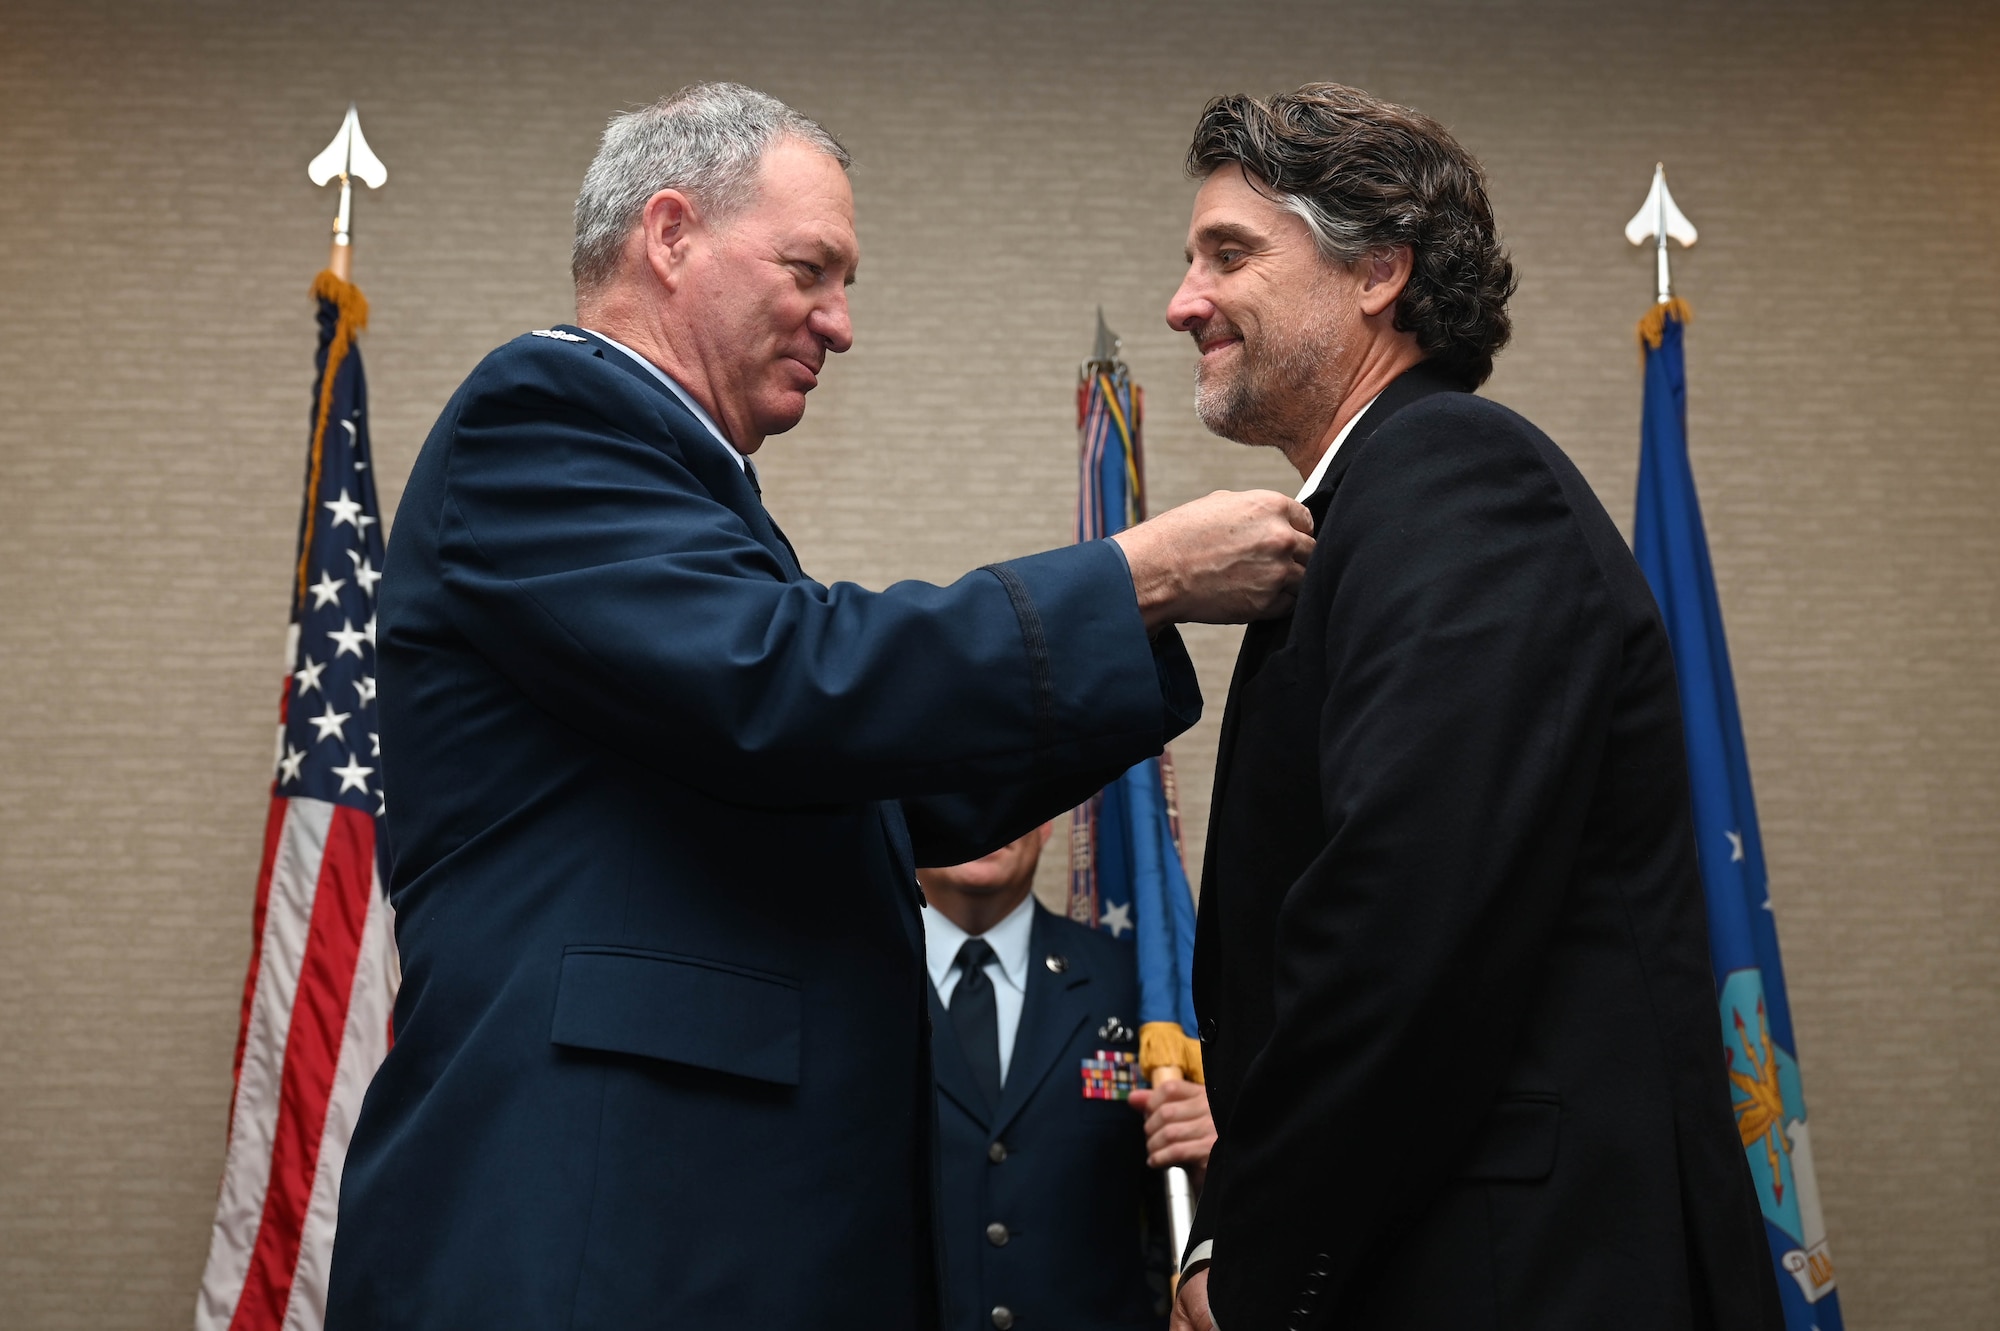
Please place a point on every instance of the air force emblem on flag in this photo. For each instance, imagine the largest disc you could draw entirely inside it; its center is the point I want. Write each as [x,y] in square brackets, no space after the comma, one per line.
[1771,1120]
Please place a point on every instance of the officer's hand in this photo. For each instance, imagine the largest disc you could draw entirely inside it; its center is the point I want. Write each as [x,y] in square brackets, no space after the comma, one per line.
[1191,1305]
[1227,559]
[1179,1130]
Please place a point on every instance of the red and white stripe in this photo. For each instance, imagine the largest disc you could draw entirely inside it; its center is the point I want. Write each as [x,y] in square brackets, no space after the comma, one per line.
[317,1006]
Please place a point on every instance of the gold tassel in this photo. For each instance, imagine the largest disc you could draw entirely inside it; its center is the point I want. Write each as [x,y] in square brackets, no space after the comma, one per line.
[1163,1044]
[1653,327]
[353,317]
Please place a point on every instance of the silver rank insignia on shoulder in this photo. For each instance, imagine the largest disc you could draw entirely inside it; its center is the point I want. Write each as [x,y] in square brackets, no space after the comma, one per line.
[556,333]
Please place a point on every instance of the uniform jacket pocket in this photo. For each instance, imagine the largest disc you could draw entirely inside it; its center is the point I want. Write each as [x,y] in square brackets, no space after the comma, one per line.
[705,1014]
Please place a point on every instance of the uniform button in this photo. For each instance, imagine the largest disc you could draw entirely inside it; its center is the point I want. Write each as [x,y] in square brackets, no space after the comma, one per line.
[1208,1029]
[997,1235]
[997,1152]
[1321,1264]
[1056,962]
[1003,1317]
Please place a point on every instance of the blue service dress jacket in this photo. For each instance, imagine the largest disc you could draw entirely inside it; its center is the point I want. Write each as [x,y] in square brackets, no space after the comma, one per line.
[655,799]
[1050,1218]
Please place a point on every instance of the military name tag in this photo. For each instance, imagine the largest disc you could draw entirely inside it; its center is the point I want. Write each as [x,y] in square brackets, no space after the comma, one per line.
[1111,1074]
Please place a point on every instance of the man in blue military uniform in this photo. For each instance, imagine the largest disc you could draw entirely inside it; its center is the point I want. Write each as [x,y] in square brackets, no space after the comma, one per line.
[1048,1214]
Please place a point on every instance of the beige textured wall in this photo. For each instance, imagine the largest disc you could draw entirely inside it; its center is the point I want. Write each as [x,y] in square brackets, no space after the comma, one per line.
[1017,164]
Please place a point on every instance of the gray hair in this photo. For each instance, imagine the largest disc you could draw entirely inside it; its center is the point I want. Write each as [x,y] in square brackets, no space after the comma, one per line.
[707,141]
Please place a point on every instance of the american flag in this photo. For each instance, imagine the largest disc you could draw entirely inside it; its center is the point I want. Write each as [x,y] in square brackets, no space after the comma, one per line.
[323,972]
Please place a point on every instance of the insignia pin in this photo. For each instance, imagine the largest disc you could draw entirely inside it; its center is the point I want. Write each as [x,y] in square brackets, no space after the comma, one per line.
[1056,962]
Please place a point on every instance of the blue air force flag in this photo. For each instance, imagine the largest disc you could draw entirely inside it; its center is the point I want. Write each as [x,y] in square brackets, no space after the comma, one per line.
[1756,1023]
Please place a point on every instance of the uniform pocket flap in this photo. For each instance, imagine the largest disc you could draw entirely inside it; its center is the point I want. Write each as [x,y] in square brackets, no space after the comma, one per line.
[680,1009]
[1517,1144]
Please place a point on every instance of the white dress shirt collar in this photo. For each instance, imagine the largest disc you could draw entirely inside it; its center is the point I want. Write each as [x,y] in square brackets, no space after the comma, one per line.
[1326,458]
[1009,940]
[686,398]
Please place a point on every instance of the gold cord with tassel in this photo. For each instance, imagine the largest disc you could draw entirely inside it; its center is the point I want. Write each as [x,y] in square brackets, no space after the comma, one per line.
[1653,327]
[353,317]
[1163,1044]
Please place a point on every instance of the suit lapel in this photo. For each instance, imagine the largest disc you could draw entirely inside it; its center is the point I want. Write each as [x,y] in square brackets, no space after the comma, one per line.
[708,460]
[1057,1004]
[1418,382]
[1267,636]
[1263,638]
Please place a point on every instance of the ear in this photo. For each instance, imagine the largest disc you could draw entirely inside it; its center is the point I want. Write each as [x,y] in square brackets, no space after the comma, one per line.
[666,228]
[1384,275]
[1047,830]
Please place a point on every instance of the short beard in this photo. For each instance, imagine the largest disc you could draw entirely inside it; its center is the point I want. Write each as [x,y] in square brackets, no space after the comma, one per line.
[1275,398]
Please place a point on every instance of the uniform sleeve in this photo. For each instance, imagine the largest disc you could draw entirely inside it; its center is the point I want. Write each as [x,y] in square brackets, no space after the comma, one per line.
[600,576]
[1471,656]
[961,826]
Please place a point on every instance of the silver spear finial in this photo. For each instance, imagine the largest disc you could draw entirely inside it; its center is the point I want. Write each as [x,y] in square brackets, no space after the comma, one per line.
[347,156]
[1104,356]
[1107,341]
[1658,219]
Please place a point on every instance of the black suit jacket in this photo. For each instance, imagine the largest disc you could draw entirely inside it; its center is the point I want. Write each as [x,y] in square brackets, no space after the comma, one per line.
[1452,969]
[1066,1177]
[655,799]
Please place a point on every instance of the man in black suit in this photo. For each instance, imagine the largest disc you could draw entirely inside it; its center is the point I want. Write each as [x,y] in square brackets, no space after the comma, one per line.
[656,797]
[1457,1015]
[1047,1213]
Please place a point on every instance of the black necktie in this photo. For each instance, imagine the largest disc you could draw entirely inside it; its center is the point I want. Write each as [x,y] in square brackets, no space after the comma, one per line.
[750,475]
[975,1018]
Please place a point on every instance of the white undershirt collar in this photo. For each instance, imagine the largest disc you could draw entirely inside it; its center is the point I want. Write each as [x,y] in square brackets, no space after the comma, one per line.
[1326,458]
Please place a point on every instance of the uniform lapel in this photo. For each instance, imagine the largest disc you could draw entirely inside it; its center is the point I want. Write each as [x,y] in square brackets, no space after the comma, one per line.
[1058,1002]
[709,461]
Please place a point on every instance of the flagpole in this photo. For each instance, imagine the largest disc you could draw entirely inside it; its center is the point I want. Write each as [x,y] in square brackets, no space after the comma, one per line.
[1112,496]
[1180,1188]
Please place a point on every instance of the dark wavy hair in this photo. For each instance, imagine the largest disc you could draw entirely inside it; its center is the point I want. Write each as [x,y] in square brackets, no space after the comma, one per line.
[1364,174]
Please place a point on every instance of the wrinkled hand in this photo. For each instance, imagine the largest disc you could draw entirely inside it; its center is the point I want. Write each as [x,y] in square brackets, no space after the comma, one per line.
[1179,1130]
[1230,558]
[1191,1305]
